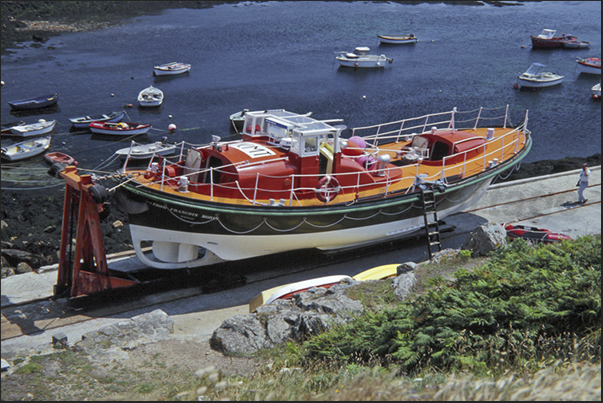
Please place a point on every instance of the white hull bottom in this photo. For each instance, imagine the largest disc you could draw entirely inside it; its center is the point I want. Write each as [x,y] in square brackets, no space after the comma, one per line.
[178,250]
[590,70]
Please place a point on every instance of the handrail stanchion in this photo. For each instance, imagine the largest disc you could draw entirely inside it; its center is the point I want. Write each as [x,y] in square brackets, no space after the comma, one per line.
[255,191]
[163,175]
[292,190]
[211,183]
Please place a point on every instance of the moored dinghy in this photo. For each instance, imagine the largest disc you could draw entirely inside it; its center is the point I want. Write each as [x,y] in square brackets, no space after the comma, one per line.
[26,149]
[83,122]
[150,96]
[293,182]
[536,77]
[119,128]
[398,39]
[58,156]
[33,129]
[35,103]
[589,65]
[144,151]
[170,69]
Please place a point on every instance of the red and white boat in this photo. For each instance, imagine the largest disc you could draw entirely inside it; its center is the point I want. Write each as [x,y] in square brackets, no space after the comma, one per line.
[534,234]
[589,65]
[547,39]
[119,128]
[293,182]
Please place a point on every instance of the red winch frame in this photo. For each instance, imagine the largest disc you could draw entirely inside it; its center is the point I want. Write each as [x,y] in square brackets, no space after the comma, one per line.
[88,273]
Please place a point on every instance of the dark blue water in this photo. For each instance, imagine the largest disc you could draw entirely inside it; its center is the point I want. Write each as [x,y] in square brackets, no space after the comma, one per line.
[281,55]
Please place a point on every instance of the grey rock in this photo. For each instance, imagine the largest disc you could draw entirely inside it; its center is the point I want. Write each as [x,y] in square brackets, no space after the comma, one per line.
[485,239]
[23,267]
[60,340]
[109,342]
[403,284]
[307,313]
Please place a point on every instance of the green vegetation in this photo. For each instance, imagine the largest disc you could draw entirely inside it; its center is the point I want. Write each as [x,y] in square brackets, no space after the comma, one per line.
[524,306]
[523,324]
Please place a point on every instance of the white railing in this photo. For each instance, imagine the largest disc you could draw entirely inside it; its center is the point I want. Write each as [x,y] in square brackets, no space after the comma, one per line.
[498,145]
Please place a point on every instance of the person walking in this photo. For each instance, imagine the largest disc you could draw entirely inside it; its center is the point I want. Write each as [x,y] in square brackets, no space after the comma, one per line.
[583,183]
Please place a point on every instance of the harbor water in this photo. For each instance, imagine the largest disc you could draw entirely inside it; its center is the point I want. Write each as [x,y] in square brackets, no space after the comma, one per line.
[272,55]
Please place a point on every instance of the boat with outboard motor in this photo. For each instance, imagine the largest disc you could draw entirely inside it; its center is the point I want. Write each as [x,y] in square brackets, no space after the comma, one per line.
[536,77]
[293,182]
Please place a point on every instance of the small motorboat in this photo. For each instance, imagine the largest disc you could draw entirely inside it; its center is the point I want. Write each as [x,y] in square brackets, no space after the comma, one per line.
[575,44]
[33,129]
[398,39]
[596,90]
[536,77]
[119,128]
[589,65]
[145,151]
[361,58]
[60,157]
[26,149]
[289,290]
[150,96]
[35,103]
[170,69]
[533,234]
[83,122]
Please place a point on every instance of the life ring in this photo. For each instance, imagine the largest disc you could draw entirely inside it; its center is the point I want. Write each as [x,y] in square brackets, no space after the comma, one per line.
[327,189]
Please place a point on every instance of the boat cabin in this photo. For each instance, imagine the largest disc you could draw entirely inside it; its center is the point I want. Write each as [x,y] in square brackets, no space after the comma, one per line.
[547,34]
[284,153]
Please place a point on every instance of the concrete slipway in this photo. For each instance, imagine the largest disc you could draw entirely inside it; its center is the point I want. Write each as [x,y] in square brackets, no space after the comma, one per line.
[545,202]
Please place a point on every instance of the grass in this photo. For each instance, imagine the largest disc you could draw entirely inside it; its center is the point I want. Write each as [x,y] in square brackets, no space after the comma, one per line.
[291,372]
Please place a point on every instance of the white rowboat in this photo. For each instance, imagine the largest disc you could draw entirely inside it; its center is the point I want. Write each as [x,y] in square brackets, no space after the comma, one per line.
[33,129]
[26,149]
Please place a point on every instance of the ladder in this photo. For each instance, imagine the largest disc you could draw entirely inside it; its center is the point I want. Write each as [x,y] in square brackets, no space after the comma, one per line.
[432,228]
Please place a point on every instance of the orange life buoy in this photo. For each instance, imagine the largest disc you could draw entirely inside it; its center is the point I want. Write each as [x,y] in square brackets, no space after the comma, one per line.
[327,189]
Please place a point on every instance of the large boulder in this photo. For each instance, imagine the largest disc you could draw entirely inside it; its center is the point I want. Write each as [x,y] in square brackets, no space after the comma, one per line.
[307,313]
[485,239]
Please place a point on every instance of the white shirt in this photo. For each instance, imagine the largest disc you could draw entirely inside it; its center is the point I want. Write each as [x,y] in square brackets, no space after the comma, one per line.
[584,175]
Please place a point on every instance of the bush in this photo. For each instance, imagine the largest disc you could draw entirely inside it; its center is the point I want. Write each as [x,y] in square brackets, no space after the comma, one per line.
[525,305]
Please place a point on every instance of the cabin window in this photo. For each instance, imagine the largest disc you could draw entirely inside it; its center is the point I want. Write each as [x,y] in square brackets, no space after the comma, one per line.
[439,150]
[310,145]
